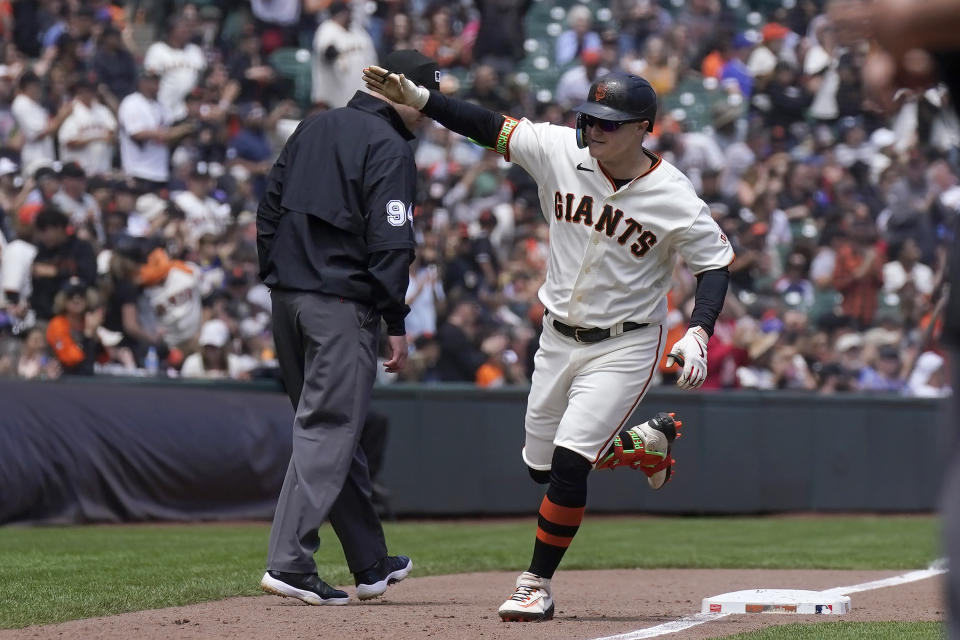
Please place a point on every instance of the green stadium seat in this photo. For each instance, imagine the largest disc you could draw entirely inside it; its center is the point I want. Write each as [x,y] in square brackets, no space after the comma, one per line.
[295,64]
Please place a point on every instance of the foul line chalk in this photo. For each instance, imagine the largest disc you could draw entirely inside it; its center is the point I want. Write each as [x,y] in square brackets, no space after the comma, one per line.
[669,627]
[702,618]
[913,576]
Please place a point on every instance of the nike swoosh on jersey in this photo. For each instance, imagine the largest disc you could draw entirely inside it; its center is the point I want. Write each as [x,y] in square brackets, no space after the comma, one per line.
[580,167]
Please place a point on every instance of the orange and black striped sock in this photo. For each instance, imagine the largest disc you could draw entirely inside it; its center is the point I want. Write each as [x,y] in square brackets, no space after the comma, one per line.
[556,526]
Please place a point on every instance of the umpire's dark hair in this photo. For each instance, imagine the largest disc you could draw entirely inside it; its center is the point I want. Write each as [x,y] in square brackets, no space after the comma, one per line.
[51,217]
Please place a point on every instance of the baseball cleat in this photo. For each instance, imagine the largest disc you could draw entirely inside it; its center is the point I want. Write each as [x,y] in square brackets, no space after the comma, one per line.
[374,581]
[646,447]
[307,587]
[531,602]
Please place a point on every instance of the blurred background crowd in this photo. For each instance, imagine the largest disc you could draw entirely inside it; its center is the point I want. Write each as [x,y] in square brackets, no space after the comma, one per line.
[135,138]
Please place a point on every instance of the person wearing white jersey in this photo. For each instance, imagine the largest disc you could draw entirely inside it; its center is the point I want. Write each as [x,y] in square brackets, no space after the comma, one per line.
[179,63]
[341,47]
[618,217]
[87,135]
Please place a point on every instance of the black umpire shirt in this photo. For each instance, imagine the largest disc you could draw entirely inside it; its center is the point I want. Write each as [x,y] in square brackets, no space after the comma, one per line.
[337,215]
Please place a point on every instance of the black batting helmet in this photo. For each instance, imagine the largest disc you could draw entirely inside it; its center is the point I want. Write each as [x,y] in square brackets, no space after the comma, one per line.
[620,97]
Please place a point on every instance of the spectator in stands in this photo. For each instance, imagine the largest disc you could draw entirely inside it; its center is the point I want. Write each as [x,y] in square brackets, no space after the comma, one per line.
[575,81]
[35,123]
[638,19]
[214,360]
[60,257]
[35,362]
[486,90]
[397,34]
[907,268]
[79,206]
[172,288]
[794,286]
[341,48]
[259,81]
[460,358]
[114,67]
[578,37]
[440,42]
[502,365]
[121,290]
[72,332]
[425,296]
[501,34]
[858,274]
[764,57]
[734,68]
[659,65]
[145,133]
[88,134]
[789,99]
[203,212]
[178,63]
[276,21]
[884,373]
[250,147]
[928,379]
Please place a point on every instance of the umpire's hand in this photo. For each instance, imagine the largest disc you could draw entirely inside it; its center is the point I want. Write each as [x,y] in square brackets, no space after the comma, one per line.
[398,354]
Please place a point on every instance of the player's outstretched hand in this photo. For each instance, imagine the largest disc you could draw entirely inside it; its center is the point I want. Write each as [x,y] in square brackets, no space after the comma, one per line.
[395,87]
[690,352]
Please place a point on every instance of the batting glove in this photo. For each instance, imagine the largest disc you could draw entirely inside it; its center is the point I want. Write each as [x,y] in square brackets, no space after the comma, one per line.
[395,87]
[690,352]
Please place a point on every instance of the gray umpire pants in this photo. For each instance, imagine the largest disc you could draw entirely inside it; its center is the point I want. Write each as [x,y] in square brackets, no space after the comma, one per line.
[327,351]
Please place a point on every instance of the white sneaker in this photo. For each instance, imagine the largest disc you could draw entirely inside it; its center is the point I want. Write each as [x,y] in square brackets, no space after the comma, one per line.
[531,602]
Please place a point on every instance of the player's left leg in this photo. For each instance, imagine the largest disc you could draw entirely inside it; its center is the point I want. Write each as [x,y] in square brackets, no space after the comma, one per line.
[559,518]
[604,390]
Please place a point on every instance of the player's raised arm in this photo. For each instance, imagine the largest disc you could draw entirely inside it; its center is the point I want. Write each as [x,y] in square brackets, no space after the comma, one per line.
[466,118]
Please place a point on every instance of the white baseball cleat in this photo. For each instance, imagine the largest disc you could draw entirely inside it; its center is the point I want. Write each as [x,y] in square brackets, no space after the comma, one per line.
[531,602]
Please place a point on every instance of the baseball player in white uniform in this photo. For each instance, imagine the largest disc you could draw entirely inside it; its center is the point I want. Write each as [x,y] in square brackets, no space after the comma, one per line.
[618,217]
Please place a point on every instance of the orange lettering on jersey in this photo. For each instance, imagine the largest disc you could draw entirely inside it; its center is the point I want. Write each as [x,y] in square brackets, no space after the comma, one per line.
[632,225]
[584,211]
[609,219]
[569,207]
[646,240]
[558,205]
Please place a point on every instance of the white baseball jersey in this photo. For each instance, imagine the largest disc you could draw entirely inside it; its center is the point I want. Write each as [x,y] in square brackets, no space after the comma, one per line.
[84,123]
[179,71]
[611,251]
[176,304]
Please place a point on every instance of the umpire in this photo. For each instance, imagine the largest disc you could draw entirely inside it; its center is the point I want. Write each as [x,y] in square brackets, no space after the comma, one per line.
[335,242]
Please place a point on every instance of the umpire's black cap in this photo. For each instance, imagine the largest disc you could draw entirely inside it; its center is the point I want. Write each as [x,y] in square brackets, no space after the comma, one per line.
[415,66]
[620,97]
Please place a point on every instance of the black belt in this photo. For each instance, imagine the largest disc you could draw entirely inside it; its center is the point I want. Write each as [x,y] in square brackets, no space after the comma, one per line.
[594,334]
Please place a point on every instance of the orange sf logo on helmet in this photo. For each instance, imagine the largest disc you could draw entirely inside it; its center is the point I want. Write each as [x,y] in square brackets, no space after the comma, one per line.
[601,91]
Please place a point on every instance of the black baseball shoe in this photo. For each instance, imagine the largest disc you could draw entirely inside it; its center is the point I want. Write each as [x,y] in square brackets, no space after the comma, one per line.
[302,586]
[372,582]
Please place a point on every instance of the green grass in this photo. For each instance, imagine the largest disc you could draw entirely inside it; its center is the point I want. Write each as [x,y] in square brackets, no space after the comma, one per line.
[64,573]
[847,631]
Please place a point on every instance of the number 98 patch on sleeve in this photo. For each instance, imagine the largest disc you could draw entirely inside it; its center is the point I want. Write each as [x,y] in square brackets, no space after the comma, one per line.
[398,213]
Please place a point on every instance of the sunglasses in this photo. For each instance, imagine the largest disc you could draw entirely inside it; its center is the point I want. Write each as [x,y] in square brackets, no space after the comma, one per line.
[605,125]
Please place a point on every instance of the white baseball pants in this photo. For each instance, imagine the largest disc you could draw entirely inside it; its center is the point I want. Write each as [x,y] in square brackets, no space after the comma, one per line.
[582,395]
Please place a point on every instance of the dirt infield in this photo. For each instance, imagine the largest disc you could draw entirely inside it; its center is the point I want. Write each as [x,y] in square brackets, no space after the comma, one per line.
[590,604]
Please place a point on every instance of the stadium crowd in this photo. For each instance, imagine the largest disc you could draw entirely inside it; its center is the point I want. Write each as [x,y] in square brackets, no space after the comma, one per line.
[135,138]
